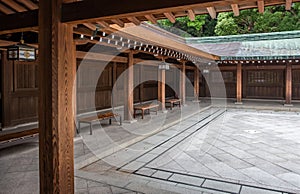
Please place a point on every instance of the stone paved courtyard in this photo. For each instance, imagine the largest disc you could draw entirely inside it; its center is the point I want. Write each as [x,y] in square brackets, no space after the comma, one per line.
[214,151]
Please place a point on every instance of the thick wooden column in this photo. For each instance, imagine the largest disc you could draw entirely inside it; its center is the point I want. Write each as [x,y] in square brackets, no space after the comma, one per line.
[239,84]
[182,83]
[128,86]
[56,78]
[196,84]
[162,89]
[288,85]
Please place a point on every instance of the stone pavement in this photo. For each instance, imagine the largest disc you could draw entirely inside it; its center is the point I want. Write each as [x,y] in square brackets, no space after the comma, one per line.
[237,151]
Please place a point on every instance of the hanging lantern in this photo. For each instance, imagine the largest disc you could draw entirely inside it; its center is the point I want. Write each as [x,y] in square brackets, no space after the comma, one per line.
[21,52]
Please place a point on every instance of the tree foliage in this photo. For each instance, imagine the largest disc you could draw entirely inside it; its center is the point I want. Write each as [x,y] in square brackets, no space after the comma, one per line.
[274,19]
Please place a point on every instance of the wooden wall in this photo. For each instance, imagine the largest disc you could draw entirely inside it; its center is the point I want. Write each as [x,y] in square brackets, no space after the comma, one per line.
[20,91]
[296,85]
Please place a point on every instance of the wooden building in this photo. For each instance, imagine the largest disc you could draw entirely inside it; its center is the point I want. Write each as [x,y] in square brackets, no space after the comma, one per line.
[44,90]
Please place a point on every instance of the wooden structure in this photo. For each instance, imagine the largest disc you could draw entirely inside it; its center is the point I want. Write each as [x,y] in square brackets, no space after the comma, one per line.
[145,108]
[173,102]
[57,22]
[99,117]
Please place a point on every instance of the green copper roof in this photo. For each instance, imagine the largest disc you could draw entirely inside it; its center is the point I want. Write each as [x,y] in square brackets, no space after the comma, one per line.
[267,46]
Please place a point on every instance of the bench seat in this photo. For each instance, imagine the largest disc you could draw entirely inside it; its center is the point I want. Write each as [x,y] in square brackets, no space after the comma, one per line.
[99,117]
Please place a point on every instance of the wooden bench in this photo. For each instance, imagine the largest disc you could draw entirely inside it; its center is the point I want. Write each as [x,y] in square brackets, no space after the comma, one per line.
[173,102]
[144,108]
[99,117]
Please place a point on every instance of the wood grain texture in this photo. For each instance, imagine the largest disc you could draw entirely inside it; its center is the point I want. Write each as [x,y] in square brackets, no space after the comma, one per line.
[162,89]
[196,84]
[239,86]
[56,79]
[288,84]
[182,83]
[128,86]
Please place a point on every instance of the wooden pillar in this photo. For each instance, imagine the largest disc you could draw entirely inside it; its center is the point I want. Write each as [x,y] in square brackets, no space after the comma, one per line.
[182,83]
[196,84]
[239,84]
[141,84]
[288,85]
[57,69]
[128,86]
[162,88]
[114,102]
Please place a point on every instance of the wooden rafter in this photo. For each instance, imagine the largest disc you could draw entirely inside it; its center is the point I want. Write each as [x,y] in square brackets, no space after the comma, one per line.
[235,9]
[212,12]
[103,24]
[14,5]
[134,20]
[151,18]
[118,22]
[5,9]
[170,17]
[261,6]
[288,4]
[29,4]
[90,26]
[191,14]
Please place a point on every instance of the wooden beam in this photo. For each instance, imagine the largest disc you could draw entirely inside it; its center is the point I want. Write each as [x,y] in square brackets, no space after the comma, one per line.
[103,24]
[235,9]
[288,4]
[261,6]
[196,84]
[100,57]
[182,83]
[128,86]
[170,17]
[29,19]
[29,4]
[239,84]
[151,18]
[90,26]
[288,84]
[89,10]
[212,12]
[134,20]
[191,14]
[5,9]
[118,22]
[57,70]
[14,5]
[162,89]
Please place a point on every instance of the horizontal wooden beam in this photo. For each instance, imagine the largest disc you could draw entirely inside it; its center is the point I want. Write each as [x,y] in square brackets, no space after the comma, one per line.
[27,19]
[100,57]
[89,10]
[5,9]
[29,4]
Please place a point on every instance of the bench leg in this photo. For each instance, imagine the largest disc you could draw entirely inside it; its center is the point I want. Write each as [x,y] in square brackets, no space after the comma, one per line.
[134,112]
[91,129]
[142,114]
[78,128]
[110,121]
[120,120]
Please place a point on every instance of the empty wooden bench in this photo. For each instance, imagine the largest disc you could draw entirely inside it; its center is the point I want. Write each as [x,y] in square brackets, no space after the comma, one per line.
[173,102]
[144,107]
[99,117]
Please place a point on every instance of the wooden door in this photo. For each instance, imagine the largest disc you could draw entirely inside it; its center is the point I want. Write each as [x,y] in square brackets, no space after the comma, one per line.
[268,84]
[296,84]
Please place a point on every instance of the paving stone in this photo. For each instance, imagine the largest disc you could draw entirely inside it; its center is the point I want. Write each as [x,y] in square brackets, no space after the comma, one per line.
[146,171]
[291,178]
[223,186]
[161,174]
[252,190]
[186,179]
